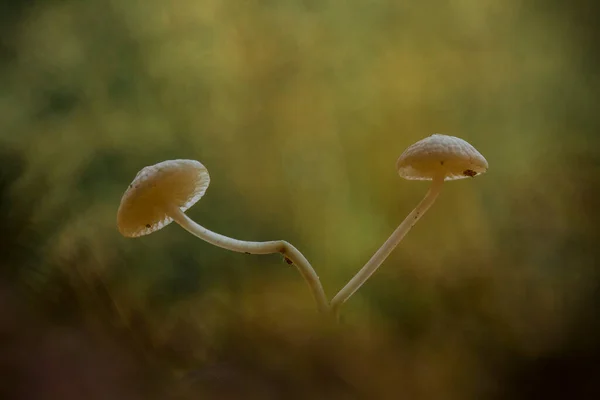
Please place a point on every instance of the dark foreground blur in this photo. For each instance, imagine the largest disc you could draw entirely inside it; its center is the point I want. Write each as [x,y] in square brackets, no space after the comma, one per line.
[299,110]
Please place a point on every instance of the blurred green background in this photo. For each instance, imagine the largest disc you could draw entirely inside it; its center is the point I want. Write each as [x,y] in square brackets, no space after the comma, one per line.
[299,109]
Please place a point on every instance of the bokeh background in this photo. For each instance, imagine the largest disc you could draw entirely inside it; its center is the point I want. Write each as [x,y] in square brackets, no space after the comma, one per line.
[299,109]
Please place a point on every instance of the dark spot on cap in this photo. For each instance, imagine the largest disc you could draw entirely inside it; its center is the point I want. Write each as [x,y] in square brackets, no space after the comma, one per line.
[148,226]
[442,162]
[469,172]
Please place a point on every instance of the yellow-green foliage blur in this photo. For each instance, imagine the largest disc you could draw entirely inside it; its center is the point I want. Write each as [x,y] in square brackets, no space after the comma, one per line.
[299,110]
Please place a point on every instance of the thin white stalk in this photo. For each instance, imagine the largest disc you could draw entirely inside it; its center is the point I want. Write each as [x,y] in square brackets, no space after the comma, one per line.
[377,259]
[290,253]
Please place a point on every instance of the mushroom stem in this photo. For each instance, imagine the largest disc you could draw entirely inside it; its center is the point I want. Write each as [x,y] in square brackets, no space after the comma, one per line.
[241,246]
[377,259]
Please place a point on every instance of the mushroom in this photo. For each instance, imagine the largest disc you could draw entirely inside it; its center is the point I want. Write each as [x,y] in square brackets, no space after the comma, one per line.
[161,193]
[437,158]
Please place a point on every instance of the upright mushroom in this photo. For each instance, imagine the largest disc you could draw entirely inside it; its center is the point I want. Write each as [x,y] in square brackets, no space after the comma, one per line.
[161,193]
[437,158]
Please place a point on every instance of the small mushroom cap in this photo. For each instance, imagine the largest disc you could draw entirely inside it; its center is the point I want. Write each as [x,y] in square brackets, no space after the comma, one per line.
[156,189]
[441,155]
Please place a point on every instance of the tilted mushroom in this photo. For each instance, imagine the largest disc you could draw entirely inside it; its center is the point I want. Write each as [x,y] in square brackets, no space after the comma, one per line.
[161,193]
[437,158]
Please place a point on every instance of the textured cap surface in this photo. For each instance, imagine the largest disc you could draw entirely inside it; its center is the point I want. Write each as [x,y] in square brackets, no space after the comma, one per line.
[155,189]
[436,155]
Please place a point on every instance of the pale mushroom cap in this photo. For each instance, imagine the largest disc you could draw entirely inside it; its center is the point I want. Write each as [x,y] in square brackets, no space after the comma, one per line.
[441,155]
[156,189]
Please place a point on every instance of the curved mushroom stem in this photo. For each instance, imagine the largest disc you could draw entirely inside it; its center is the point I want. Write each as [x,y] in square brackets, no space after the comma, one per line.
[291,254]
[389,245]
